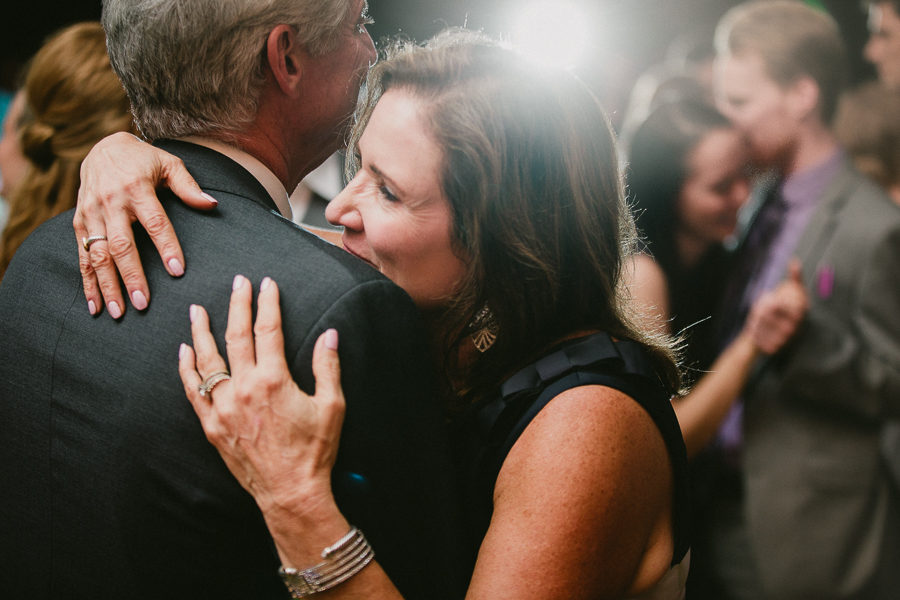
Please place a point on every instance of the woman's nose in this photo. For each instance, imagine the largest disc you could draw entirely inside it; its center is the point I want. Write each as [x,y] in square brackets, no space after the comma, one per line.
[342,210]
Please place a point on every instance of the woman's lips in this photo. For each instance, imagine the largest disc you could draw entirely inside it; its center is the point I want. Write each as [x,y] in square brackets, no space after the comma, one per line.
[359,256]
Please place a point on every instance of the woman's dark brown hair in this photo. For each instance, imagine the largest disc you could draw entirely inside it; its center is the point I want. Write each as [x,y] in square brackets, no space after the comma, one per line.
[73,100]
[539,216]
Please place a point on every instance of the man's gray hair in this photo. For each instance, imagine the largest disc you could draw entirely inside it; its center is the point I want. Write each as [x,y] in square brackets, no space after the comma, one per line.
[195,67]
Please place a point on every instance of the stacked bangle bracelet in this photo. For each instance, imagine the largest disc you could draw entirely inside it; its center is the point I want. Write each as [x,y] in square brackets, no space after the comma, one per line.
[343,560]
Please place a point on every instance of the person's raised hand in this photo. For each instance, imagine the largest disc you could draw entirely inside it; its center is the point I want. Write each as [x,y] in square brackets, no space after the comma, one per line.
[118,187]
[777,314]
[277,441]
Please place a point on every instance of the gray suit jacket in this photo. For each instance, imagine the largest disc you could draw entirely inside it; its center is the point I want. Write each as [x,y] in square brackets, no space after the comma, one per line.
[108,487]
[822,511]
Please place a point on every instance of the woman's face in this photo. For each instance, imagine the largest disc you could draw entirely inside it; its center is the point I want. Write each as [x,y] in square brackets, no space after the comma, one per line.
[715,188]
[394,213]
[13,163]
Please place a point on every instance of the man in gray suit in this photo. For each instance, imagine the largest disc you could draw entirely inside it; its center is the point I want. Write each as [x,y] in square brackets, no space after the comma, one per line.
[816,514]
[109,487]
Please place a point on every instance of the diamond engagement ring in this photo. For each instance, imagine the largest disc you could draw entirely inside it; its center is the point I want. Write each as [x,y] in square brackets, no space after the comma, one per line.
[86,242]
[207,385]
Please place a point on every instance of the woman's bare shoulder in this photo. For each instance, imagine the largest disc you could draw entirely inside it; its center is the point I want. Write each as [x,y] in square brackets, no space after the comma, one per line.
[649,287]
[587,490]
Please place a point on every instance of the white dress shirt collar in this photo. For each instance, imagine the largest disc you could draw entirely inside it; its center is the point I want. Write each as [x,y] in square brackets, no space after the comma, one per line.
[261,172]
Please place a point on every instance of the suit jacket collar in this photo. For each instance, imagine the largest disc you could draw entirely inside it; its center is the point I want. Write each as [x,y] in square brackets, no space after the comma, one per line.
[214,171]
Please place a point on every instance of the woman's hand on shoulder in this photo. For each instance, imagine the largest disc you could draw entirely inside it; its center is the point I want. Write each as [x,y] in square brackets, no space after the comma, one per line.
[582,506]
[278,442]
[118,182]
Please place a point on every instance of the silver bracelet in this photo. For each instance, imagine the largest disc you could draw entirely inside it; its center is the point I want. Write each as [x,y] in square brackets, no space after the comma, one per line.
[347,557]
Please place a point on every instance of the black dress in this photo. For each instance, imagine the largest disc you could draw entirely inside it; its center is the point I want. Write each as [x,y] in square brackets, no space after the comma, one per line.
[486,432]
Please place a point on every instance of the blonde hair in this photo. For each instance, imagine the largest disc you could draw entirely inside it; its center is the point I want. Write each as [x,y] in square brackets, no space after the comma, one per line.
[793,40]
[72,100]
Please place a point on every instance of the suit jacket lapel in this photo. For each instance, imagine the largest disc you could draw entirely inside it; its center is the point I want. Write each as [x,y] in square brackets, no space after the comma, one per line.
[823,222]
[214,171]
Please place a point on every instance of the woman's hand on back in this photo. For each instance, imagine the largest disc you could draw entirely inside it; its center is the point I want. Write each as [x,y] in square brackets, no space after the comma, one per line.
[118,182]
[278,442]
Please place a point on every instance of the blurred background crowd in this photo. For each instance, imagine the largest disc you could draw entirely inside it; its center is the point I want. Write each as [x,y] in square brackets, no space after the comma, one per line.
[689,171]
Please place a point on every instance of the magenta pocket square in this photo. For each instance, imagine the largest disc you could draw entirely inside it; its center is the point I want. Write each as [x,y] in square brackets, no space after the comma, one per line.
[825,281]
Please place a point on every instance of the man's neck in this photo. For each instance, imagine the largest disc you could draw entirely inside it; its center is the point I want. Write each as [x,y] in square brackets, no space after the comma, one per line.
[815,145]
[231,148]
[289,159]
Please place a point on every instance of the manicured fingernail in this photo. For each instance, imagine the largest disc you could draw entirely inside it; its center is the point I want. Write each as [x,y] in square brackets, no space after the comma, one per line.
[176,267]
[139,300]
[92,307]
[237,283]
[331,339]
[114,311]
[265,284]
[181,350]
[209,198]
[193,312]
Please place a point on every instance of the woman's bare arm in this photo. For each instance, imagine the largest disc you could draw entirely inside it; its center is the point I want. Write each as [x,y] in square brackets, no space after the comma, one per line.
[772,322]
[702,410]
[582,506]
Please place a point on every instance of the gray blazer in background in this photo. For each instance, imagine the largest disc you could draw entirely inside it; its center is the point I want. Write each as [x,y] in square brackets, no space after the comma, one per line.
[108,486]
[822,511]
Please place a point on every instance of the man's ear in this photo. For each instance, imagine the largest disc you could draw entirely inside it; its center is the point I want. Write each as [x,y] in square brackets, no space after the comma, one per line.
[803,95]
[284,59]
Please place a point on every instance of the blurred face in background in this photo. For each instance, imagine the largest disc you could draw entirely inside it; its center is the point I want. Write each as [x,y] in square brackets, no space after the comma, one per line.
[13,163]
[715,188]
[883,48]
[758,107]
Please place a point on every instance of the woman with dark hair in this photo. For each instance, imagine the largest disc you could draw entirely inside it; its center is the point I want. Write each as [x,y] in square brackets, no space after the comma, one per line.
[687,180]
[72,99]
[492,195]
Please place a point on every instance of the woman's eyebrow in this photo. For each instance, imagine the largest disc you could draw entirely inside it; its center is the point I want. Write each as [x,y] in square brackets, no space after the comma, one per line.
[397,190]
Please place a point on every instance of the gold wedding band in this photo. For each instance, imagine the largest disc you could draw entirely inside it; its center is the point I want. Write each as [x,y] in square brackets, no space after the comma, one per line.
[87,242]
[207,385]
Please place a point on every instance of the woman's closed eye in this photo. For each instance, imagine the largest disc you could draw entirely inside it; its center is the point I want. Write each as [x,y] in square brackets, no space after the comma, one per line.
[387,194]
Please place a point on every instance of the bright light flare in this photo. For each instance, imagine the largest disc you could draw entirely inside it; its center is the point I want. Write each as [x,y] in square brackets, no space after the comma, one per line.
[551,33]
